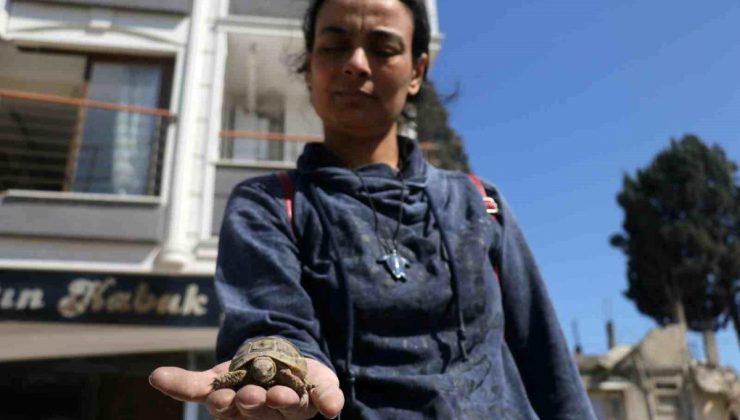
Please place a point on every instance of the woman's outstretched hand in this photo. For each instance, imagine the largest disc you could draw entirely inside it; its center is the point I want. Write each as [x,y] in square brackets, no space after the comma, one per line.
[251,401]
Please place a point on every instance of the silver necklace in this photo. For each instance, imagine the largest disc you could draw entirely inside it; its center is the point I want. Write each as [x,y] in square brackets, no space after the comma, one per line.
[393,262]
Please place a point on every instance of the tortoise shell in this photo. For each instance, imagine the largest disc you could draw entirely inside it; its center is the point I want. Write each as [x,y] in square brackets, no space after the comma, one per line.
[278,348]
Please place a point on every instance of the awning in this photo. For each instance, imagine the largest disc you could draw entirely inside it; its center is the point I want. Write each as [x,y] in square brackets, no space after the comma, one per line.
[42,340]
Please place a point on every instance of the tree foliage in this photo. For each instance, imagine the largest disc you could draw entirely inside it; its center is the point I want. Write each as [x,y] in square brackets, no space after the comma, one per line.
[682,236]
[444,145]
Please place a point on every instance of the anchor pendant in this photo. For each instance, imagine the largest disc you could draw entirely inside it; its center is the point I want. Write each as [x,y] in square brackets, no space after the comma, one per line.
[395,264]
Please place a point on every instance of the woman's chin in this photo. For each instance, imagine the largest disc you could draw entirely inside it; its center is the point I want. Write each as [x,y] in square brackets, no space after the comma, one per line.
[361,127]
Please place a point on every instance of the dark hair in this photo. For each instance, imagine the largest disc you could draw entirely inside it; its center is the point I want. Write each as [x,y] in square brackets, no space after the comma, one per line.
[420,41]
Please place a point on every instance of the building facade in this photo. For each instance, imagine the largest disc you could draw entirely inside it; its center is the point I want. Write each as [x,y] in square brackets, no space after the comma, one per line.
[658,379]
[124,125]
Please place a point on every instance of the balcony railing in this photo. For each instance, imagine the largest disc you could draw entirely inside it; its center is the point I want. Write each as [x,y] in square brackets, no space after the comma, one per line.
[55,143]
[262,146]
[256,145]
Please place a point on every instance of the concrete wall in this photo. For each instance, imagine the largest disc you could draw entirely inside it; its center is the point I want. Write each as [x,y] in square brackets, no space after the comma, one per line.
[227,176]
[708,407]
[172,6]
[290,9]
[55,74]
[109,30]
[37,216]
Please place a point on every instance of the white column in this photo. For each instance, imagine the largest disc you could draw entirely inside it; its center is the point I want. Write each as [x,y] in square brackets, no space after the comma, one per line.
[177,249]
[433,17]
[4,5]
[212,146]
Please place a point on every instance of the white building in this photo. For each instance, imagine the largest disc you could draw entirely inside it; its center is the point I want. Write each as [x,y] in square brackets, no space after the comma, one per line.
[657,379]
[124,124]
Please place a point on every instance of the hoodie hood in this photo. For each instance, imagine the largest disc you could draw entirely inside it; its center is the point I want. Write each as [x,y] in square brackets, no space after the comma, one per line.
[325,167]
[386,187]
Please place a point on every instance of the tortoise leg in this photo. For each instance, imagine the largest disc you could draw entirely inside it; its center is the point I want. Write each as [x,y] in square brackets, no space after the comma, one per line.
[229,379]
[287,378]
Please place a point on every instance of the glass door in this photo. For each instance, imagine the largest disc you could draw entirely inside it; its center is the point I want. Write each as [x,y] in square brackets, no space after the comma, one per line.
[117,145]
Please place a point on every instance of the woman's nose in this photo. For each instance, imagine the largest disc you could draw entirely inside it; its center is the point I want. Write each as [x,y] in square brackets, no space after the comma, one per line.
[357,64]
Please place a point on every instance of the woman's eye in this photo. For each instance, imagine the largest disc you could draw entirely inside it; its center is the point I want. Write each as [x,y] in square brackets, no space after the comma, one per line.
[385,49]
[332,48]
[385,52]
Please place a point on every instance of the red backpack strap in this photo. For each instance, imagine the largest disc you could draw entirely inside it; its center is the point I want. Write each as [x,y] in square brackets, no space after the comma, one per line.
[286,183]
[491,208]
[491,205]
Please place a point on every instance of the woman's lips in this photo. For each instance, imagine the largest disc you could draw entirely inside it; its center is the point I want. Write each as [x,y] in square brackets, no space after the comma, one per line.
[352,94]
[352,98]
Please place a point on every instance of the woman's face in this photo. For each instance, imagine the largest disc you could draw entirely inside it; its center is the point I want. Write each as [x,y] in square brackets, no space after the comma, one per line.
[361,70]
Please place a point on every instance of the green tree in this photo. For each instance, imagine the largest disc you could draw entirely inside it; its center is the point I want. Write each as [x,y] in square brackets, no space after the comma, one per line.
[682,238]
[443,145]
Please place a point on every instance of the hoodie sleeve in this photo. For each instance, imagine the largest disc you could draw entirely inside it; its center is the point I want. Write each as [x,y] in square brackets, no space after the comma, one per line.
[533,334]
[258,274]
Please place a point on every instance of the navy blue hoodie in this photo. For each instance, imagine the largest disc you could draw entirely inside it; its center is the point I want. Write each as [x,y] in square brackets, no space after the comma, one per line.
[452,341]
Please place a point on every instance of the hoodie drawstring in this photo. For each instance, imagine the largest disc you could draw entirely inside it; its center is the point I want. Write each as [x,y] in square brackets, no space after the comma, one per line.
[454,278]
[344,287]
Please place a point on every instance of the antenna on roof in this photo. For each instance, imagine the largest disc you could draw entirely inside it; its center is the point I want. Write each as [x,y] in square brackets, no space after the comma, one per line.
[611,339]
[577,337]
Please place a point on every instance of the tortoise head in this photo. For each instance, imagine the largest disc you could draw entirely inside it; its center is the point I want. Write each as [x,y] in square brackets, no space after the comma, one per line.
[263,369]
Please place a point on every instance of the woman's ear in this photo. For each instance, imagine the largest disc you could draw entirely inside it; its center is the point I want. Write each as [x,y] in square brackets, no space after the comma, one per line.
[419,73]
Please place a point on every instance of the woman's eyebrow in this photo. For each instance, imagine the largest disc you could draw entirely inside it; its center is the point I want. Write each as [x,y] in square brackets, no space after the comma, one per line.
[388,35]
[334,29]
[375,33]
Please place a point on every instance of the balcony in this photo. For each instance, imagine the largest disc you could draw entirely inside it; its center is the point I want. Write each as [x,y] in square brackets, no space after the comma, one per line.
[82,122]
[262,146]
[82,140]
[56,143]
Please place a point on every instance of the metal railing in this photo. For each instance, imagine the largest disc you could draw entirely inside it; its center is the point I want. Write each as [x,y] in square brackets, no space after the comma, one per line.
[231,137]
[56,143]
[261,146]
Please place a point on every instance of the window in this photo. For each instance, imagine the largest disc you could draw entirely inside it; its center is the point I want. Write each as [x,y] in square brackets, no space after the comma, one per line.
[258,132]
[667,405]
[268,117]
[608,405]
[82,122]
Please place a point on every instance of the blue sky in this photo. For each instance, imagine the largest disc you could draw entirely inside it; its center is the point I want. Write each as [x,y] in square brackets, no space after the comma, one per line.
[558,100]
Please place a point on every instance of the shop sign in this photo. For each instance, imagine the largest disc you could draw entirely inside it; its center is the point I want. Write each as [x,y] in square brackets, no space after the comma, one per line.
[107,298]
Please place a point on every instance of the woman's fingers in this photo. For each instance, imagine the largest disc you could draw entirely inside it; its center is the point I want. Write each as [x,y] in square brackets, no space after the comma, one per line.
[221,405]
[328,399]
[251,404]
[319,374]
[185,385]
[284,398]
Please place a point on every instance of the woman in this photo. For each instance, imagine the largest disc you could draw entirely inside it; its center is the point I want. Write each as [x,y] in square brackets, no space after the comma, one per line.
[385,274]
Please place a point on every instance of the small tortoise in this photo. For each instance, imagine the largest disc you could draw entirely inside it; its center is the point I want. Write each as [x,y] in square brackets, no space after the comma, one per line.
[266,361]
